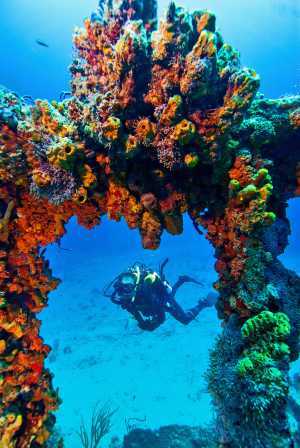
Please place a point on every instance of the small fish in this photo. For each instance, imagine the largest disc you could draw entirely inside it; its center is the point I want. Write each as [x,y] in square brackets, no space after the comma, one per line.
[42,44]
[28,99]
[64,95]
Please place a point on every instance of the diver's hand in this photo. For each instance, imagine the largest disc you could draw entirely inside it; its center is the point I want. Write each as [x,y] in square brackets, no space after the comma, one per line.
[210,300]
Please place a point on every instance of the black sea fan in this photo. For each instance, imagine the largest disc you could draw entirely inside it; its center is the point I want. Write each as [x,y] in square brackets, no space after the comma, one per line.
[100,427]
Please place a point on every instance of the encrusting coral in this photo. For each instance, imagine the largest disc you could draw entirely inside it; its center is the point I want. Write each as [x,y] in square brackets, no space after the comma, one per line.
[159,124]
[265,334]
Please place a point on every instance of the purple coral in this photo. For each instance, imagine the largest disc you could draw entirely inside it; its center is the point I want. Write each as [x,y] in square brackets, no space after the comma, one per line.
[60,187]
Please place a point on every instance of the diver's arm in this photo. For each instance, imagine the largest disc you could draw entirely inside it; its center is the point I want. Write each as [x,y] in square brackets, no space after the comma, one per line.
[210,300]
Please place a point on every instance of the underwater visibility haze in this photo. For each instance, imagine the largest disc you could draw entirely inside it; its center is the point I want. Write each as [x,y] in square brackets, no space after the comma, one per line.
[149,224]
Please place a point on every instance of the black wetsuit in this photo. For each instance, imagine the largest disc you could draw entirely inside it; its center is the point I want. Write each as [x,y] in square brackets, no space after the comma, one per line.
[153,301]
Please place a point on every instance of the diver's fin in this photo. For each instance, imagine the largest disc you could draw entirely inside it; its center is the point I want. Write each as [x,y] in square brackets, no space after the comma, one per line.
[162,267]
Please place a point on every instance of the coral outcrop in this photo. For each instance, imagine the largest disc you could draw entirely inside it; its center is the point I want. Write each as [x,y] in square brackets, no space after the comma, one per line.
[171,436]
[161,122]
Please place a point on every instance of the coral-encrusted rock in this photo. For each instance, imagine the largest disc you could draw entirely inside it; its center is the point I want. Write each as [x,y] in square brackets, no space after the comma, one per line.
[158,124]
[173,436]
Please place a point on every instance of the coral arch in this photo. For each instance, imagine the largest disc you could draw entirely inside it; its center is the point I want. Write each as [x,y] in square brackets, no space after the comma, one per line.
[160,122]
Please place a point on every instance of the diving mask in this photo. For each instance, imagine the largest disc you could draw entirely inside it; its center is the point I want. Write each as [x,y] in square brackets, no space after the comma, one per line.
[127,282]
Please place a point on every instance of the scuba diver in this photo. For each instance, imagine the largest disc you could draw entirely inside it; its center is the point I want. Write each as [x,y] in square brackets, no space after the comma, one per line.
[148,296]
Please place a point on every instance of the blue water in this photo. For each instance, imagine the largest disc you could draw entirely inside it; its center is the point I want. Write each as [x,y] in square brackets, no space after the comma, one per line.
[99,354]
[267,33]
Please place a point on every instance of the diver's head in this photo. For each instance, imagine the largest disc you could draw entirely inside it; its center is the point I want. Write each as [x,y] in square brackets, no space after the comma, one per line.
[125,284]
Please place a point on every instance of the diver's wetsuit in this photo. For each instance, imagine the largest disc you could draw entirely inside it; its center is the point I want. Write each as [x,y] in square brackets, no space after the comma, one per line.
[152,301]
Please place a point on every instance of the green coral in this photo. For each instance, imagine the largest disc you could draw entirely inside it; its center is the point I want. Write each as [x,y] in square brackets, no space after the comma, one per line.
[247,193]
[234,185]
[262,177]
[263,381]
[267,326]
[265,334]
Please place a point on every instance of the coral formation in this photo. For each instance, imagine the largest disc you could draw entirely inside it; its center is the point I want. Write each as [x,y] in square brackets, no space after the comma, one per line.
[158,124]
[171,436]
[265,351]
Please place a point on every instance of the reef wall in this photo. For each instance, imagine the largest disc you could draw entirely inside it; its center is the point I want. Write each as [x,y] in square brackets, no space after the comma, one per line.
[159,123]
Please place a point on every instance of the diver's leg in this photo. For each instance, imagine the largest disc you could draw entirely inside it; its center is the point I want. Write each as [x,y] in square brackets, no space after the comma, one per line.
[184,317]
[181,280]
